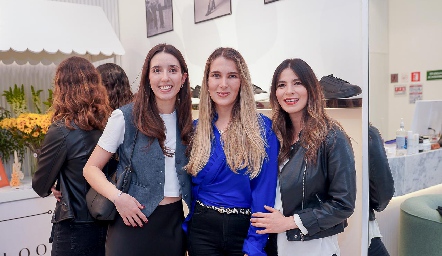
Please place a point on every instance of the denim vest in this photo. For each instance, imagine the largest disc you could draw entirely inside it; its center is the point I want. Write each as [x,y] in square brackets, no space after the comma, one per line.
[148,165]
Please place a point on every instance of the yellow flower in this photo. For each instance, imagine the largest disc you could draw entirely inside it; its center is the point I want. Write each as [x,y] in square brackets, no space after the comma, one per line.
[29,128]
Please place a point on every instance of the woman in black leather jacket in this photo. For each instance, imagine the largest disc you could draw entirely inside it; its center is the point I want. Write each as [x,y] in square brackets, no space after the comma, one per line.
[81,108]
[381,189]
[317,181]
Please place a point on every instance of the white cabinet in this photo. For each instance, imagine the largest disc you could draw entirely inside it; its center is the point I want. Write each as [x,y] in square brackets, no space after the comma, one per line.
[25,222]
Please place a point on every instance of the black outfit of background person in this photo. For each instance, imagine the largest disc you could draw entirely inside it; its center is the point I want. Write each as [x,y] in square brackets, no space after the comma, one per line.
[381,185]
[80,108]
[63,155]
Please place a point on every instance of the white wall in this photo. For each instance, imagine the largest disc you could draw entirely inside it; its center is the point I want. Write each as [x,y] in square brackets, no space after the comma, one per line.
[326,34]
[378,64]
[415,39]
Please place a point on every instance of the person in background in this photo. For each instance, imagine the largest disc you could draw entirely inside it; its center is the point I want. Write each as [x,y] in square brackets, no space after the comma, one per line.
[233,162]
[119,93]
[381,189]
[153,10]
[80,111]
[117,84]
[118,89]
[158,124]
[160,14]
[317,180]
[211,7]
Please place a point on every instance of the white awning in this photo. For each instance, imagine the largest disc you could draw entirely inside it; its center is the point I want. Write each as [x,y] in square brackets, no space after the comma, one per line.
[48,30]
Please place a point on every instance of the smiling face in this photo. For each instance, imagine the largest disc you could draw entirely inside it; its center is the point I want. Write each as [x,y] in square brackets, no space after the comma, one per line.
[224,83]
[165,78]
[291,94]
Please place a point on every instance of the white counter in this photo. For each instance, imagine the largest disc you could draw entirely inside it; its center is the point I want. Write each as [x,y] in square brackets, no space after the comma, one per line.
[415,172]
[25,221]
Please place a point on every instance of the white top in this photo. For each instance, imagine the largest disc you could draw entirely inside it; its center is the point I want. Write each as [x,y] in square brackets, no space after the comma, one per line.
[171,184]
[373,230]
[113,137]
[317,247]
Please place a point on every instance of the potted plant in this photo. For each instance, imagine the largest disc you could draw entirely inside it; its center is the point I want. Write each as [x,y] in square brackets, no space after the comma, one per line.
[8,143]
[21,129]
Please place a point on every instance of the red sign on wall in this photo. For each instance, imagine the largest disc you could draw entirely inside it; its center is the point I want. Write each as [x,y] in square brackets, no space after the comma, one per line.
[415,76]
[400,89]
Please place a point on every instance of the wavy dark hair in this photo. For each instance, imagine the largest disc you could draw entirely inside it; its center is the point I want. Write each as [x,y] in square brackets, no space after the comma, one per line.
[146,116]
[79,96]
[117,84]
[316,122]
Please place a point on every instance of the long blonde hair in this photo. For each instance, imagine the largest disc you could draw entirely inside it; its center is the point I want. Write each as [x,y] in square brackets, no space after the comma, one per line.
[243,142]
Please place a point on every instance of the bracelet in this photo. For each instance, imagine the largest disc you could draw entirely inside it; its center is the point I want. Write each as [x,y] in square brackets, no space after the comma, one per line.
[119,194]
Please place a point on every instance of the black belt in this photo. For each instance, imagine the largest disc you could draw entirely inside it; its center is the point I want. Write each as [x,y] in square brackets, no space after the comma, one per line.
[223,210]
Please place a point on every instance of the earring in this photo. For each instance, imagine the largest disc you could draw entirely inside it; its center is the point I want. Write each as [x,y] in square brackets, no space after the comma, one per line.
[182,85]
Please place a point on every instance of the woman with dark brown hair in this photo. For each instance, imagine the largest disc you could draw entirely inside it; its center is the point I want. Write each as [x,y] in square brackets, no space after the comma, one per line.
[117,84]
[80,111]
[317,180]
[156,128]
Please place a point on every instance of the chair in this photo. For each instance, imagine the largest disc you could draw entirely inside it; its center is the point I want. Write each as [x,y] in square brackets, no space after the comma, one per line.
[420,226]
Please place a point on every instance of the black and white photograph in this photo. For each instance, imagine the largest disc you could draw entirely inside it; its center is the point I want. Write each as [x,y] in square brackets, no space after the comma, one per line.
[211,9]
[269,1]
[159,17]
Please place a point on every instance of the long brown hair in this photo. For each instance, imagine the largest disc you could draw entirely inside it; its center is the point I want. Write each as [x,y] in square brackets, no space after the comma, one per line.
[243,143]
[79,96]
[146,115]
[316,122]
[117,84]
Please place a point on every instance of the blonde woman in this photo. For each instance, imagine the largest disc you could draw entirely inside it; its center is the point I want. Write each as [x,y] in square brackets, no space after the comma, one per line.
[233,162]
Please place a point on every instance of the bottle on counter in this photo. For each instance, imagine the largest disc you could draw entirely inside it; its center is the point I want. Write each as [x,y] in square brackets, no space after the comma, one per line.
[426,145]
[410,143]
[416,143]
[421,144]
[400,140]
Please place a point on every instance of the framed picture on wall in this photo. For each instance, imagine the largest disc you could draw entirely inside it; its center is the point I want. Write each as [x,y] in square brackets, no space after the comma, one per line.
[211,9]
[159,17]
[269,1]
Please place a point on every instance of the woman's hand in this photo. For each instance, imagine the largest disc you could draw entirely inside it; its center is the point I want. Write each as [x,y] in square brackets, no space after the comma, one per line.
[273,222]
[130,210]
[57,193]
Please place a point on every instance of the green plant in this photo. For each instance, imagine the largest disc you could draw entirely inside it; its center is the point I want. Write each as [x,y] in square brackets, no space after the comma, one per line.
[36,101]
[8,143]
[21,129]
[16,99]
[48,102]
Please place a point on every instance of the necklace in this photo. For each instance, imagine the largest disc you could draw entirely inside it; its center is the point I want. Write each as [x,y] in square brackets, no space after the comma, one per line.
[222,131]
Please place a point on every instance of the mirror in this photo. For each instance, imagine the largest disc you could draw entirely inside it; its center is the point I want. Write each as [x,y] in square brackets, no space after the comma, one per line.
[404,48]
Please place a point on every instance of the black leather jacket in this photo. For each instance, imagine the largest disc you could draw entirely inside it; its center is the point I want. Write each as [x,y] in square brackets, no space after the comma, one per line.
[379,172]
[323,195]
[63,155]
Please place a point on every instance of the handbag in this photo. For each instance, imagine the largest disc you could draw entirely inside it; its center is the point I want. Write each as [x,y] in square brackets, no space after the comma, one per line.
[99,206]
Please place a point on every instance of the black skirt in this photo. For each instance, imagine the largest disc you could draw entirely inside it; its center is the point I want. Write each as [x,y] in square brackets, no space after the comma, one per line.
[161,235]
